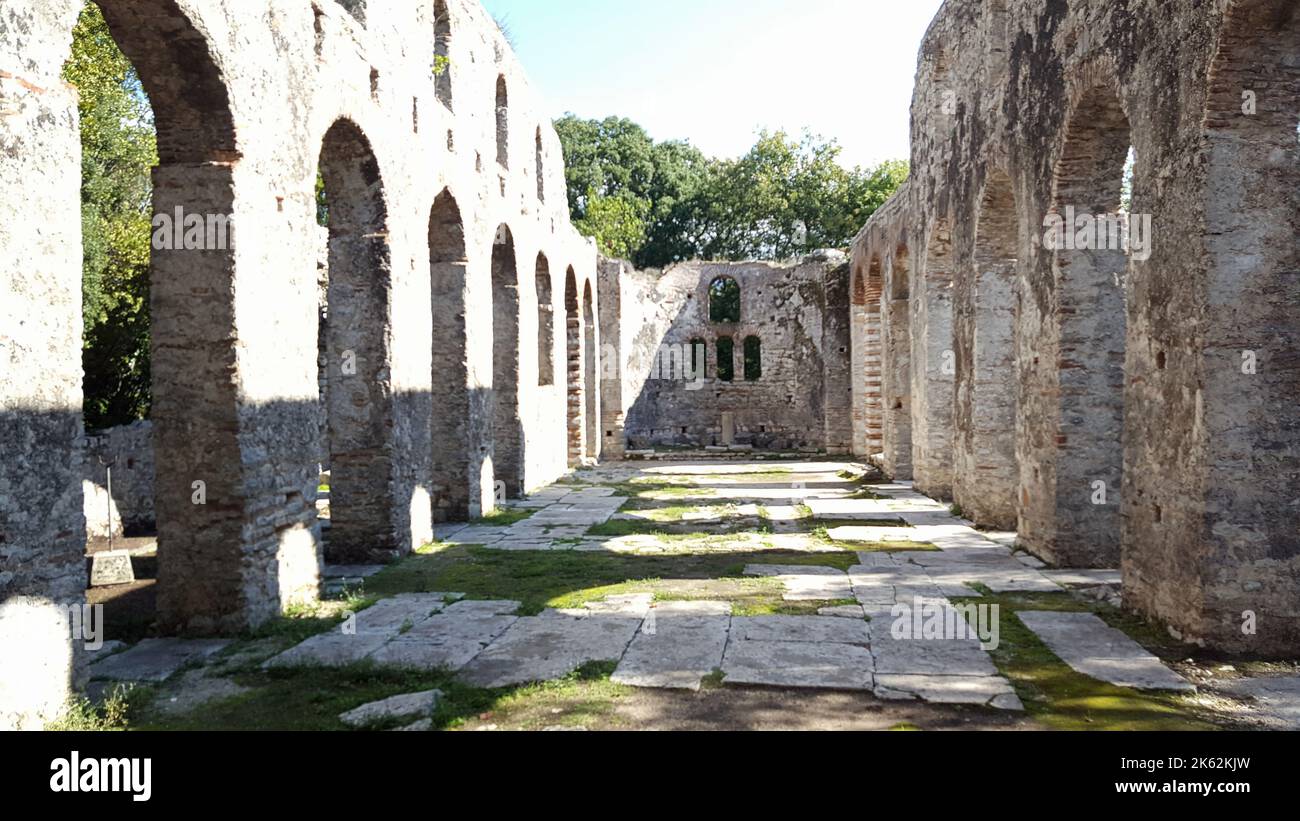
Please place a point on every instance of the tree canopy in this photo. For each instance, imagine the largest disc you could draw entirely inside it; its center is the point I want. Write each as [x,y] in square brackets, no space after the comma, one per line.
[662,202]
[118,150]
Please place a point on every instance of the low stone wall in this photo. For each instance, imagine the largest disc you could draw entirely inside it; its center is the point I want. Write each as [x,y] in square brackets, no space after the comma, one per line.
[128,452]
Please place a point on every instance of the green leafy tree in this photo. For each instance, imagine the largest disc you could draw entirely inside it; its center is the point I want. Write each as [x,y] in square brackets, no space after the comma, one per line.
[615,157]
[782,199]
[618,223]
[119,149]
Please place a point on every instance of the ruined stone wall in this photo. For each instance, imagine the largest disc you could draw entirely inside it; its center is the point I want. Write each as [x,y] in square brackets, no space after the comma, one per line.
[662,401]
[246,96]
[1141,432]
[128,450]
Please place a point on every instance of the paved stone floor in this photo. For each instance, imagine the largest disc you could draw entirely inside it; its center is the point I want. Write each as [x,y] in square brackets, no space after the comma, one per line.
[678,644]
[865,612]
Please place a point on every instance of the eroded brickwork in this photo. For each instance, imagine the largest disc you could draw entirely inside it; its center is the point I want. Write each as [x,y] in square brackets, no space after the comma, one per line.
[787,385]
[1117,403]
[431,142]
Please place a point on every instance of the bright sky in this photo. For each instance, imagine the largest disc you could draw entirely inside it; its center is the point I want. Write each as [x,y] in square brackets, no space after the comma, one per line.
[717,71]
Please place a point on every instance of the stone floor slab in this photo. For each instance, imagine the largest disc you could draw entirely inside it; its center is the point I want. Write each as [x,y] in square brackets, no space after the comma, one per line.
[798,664]
[680,644]
[993,691]
[448,641]
[1092,647]
[154,660]
[550,646]
[809,629]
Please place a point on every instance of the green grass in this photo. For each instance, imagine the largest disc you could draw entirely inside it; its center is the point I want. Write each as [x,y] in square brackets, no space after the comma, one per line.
[81,715]
[505,516]
[567,579]
[1062,699]
[311,699]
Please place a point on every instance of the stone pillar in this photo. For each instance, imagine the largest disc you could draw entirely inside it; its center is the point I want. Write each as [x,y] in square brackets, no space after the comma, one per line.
[933,368]
[42,528]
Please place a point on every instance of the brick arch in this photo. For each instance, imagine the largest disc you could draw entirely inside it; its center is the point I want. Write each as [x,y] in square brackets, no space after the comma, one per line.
[985,477]
[545,322]
[896,385]
[866,354]
[202,585]
[1071,342]
[590,371]
[187,88]
[1218,464]
[575,372]
[359,409]
[933,364]
[458,491]
[507,426]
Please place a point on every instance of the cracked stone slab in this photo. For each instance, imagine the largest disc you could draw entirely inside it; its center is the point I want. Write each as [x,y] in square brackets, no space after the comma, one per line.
[155,660]
[448,641]
[799,664]
[680,644]
[403,706]
[993,691]
[1092,647]
[795,629]
[333,649]
[388,616]
[550,646]
[938,657]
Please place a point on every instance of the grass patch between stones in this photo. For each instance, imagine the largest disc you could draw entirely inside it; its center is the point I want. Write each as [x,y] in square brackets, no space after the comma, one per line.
[1062,699]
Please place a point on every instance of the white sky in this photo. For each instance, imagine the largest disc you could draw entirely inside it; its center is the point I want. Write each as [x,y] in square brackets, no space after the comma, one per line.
[717,71]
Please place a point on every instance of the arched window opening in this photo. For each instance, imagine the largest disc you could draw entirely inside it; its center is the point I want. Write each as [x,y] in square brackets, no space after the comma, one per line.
[442,53]
[724,301]
[503,123]
[545,325]
[726,359]
[753,359]
[541,167]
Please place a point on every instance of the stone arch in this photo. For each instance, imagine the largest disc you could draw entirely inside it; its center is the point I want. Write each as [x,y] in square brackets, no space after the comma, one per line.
[203,585]
[574,370]
[358,357]
[442,83]
[503,122]
[545,324]
[865,327]
[896,387]
[985,477]
[1212,452]
[456,471]
[1071,345]
[933,365]
[507,424]
[590,370]
[724,300]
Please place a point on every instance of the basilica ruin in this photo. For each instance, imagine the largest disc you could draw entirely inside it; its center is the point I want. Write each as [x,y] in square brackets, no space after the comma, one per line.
[1106,368]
